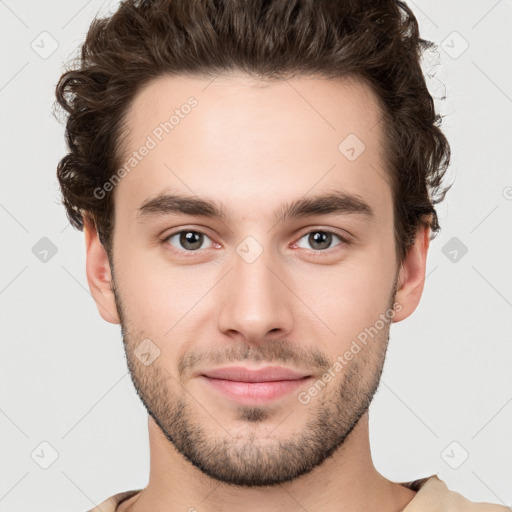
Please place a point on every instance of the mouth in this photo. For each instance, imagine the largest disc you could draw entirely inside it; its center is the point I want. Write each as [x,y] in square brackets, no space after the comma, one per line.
[254,385]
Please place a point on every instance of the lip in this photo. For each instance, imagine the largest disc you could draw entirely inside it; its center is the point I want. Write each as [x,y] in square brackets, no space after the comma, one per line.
[265,374]
[254,386]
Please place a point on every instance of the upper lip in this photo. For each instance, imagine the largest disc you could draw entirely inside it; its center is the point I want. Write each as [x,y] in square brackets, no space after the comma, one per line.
[265,374]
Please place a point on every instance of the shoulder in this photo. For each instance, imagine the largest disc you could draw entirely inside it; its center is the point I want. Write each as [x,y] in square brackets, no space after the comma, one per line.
[111,504]
[433,495]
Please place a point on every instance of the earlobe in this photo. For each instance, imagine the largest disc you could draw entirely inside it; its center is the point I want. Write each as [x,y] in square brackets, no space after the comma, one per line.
[411,277]
[99,275]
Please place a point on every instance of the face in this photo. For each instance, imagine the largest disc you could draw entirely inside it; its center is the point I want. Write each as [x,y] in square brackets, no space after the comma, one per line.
[310,289]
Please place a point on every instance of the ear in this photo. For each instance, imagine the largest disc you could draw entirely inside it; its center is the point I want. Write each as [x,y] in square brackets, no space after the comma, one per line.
[98,273]
[412,275]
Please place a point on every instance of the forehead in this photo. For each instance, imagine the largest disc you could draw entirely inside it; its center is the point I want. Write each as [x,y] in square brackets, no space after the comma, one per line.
[248,140]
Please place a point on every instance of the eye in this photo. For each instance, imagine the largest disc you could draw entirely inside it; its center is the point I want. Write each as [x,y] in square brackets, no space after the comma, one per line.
[321,239]
[190,240]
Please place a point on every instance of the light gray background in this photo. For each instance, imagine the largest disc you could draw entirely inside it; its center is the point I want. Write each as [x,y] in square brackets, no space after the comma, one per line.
[448,373]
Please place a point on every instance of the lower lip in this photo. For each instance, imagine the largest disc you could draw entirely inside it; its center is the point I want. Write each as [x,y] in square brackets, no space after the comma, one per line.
[255,391]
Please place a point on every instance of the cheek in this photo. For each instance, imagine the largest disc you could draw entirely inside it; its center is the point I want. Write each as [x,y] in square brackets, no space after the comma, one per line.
[158,295]
[347,308]
[350,297]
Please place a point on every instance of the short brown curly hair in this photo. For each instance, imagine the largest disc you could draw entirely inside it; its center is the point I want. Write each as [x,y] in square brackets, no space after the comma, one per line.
[377,41]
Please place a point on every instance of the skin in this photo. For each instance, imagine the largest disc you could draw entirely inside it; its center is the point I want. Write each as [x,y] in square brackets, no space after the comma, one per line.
[253,146]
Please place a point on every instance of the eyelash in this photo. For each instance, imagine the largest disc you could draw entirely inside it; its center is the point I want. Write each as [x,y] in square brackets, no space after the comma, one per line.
[164,240]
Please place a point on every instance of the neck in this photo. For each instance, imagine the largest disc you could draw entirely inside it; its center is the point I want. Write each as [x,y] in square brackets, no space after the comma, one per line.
[345,482]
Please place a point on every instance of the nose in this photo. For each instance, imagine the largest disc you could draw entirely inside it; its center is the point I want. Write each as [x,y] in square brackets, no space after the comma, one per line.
[256,302]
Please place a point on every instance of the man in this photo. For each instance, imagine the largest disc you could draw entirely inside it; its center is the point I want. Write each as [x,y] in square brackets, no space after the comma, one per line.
[256,182]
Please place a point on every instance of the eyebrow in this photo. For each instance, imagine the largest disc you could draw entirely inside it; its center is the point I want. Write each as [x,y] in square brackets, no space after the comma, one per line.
[335,202]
